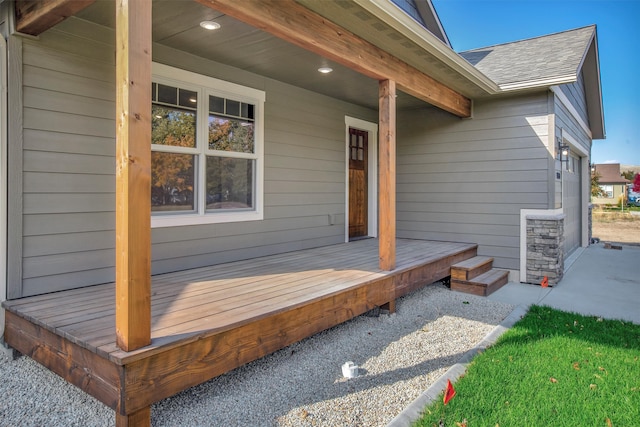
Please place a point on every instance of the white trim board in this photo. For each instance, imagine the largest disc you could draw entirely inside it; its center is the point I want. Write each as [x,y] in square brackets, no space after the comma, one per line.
[567,104]
[205,86]
[3,178]
[372,129]
[585,184]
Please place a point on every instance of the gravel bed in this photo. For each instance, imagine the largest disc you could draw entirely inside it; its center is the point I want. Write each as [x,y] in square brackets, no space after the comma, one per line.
[399,356]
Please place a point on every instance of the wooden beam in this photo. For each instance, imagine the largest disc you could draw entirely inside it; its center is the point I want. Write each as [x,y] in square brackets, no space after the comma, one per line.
[133,173]
[387,175]
[36,16]
[296,24]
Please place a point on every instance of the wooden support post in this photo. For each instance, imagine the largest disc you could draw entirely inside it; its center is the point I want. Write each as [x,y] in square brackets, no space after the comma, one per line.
[387,174]
[139,418]
[133,173]
[390,306]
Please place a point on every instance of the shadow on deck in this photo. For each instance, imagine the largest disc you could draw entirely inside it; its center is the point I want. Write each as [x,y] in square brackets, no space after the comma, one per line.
[210,320]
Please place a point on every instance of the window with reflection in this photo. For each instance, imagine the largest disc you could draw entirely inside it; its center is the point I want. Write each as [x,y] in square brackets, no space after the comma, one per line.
[205,158]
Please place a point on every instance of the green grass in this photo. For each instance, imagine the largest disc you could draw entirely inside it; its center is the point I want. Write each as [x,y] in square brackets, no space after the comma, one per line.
[551,369]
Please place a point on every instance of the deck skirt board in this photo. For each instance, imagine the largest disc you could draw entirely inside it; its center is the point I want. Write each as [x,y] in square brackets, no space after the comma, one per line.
[86,370]
[209,320]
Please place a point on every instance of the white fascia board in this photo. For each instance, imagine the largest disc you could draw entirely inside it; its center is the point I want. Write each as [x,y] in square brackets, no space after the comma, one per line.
[395,17]
[594,67]
[532,84]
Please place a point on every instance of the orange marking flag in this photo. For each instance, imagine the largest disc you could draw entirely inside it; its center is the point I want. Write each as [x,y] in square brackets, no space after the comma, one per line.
[545,282]
[449,392]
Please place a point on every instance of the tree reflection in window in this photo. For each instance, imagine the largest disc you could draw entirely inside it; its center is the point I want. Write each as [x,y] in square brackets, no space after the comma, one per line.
[226,134]
[172,174]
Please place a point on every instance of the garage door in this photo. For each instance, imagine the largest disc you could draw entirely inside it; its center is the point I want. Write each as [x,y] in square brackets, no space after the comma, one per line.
[571,202]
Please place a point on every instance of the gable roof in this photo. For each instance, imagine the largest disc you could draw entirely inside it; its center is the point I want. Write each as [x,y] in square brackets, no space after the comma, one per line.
[555,58]
[547,61]
[610,174]
[423,12]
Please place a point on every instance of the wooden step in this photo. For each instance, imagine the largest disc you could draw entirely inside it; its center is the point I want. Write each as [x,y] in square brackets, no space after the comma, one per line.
[471,268]
[482,285]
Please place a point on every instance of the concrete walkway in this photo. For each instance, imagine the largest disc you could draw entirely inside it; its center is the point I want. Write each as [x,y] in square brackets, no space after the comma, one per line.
[597,281]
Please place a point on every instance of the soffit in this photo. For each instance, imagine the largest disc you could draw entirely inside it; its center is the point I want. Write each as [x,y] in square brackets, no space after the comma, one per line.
[176,25]
[354,16]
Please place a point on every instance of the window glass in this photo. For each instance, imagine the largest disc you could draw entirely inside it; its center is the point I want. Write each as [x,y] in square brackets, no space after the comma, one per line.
[229,183]
[216,104]
[167,94]
[608,191]
[233,108]
[172,182]
[173,126]
[207,157]
[188,98]
[227,134]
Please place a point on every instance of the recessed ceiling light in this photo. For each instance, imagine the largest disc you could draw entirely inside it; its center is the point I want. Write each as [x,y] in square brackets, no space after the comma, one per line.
[209,25]
[325,70]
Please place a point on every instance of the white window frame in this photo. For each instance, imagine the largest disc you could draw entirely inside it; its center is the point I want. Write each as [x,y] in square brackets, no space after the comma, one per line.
[607,189]
[205,86]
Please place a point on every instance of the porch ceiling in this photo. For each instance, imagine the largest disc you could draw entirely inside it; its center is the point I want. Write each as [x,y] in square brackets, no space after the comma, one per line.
[176,24]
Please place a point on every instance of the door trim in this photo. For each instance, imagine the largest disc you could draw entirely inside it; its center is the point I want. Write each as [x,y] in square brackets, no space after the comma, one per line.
[372,179]
[585,183]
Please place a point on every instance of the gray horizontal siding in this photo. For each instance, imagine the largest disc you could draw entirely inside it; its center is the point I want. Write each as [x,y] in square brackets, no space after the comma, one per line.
[576,94]
[466,180]
[67,223]
[566,122]
[69,165]
[564,119]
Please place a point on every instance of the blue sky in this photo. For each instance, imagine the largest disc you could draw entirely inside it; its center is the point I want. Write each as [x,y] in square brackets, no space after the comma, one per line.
[476,23]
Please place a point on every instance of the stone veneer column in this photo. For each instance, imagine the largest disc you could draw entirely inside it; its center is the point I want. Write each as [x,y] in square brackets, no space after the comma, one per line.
[545,248]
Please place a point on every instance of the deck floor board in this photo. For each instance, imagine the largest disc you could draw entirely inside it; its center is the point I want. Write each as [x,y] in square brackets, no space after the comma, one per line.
[209,320]
[218,297]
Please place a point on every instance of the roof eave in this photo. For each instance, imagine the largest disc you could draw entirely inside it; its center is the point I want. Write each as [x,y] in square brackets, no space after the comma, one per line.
[404,24]
[590,67]
[428,12]
[591,73]
[539,83]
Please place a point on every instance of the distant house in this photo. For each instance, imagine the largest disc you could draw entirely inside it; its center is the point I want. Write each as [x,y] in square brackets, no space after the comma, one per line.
[141,143]
[612,183]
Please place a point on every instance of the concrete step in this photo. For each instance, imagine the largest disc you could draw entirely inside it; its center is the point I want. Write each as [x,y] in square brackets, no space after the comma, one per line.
[482,285]
[471,268]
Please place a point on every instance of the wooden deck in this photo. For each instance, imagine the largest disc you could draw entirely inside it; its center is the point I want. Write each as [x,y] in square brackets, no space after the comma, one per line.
[208,321]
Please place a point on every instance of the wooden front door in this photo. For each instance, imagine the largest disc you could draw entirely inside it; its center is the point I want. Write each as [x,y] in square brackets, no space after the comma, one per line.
[358,183]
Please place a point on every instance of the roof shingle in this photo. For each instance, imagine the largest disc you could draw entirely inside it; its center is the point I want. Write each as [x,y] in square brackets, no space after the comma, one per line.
[610,174]
[537,59]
